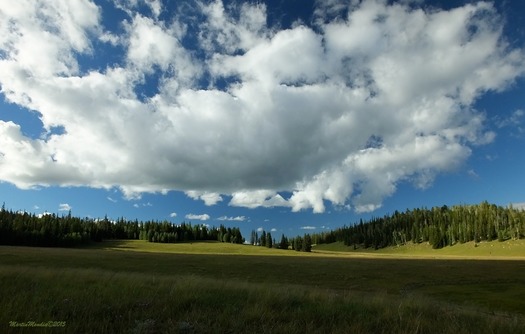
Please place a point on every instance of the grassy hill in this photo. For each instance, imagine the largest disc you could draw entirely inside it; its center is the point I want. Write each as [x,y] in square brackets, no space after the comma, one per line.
[141,287]
[510,249]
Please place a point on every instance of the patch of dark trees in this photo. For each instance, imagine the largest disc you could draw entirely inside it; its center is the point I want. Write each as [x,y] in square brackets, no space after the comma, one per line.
[300,244]
[51,230]
[438,226]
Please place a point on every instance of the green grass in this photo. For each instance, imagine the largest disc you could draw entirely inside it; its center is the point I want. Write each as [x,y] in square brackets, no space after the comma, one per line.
[204,247]
[497,250]
[138,303]
[138,287]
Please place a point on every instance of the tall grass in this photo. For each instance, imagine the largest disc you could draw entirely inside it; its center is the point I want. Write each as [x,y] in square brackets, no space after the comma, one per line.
[102,290]
[101,301]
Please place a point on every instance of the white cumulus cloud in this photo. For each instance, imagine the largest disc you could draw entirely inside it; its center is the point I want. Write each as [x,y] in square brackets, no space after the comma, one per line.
[237,218]
[198,217]
[209,198]
[372,95]
[64,207]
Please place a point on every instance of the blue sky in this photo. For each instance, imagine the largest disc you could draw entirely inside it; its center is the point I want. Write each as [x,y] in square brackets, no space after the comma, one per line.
[291,116]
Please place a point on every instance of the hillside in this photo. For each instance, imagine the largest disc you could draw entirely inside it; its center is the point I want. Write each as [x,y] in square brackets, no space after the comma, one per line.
[510,249]
[439,227]
[471,230]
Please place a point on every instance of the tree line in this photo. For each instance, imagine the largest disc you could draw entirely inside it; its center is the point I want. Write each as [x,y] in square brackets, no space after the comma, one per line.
[22,228]
[439,226]
[298,243]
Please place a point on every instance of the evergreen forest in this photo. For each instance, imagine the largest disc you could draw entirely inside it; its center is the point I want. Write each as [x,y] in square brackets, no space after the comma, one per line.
[51,230]
[439,226]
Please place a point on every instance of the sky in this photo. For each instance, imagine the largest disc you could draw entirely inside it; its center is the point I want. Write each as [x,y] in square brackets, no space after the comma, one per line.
[294,116]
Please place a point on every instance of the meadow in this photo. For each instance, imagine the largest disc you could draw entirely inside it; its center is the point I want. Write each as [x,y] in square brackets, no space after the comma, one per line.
[510,249]
[134,286]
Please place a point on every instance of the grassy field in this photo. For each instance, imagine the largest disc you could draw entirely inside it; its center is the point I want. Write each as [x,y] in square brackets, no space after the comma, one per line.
[203,247]
[511,249]
[139,287]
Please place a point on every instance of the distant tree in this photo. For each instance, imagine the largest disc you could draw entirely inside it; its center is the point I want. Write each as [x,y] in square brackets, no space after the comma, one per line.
[263,238]
[237,236]
[226,237]
[297,243]
[284,242]
[269,242]
[307,243]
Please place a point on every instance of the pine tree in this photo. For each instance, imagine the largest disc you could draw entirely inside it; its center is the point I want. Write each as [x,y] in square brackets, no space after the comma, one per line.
[263,238]
[269,243]
[307,243]
[226,237]
[284,242]
[298,244]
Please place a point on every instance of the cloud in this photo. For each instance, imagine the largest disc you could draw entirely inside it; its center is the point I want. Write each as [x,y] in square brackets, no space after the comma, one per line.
[519,206]
[273,230]
[257,198]
[112,199]
[64,207]
[514,121]
[343,111]
[41,215]
[137,205]
[197,217]
[472,174]
[516,118]
[260,229]
[173,214]
[209,198]
[308,227]
[131,6]
[238,218]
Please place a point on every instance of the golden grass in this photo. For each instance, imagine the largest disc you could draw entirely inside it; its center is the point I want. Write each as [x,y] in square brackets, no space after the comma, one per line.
[209,247]
[495,250]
